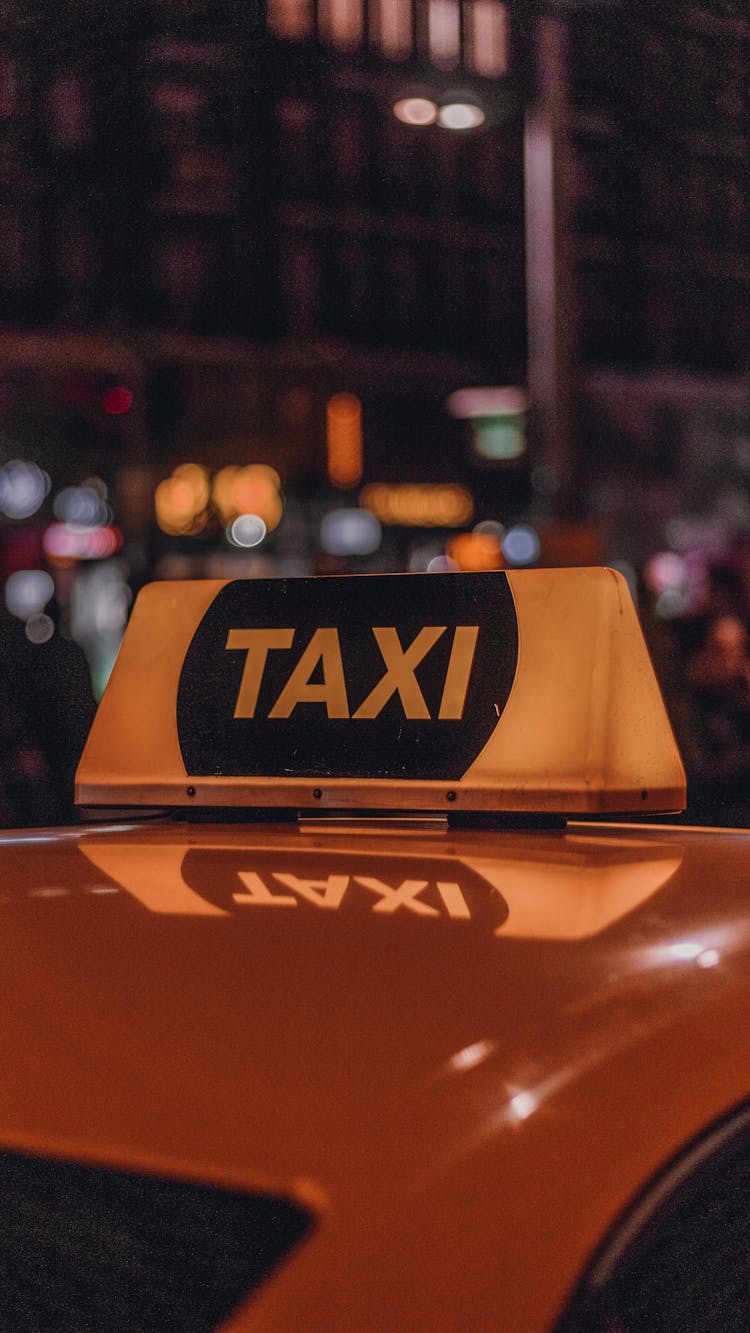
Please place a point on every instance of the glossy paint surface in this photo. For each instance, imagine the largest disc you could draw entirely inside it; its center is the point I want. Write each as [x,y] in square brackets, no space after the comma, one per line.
[465,1051]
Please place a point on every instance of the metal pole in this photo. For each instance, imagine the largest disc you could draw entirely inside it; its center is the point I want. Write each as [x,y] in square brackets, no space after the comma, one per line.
[551,306]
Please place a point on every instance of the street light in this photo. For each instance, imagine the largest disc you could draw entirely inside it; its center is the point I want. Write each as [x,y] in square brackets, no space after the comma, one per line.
[452,111]
[416,111]
[460,115]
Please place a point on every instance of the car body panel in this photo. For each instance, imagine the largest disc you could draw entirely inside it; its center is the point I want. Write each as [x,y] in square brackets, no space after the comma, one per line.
[464,1050]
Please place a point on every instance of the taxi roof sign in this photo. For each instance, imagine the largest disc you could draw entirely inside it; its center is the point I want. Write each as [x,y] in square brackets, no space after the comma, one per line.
[507,692]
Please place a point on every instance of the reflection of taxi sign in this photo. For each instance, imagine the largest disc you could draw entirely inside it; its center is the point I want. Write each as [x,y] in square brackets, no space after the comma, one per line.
[526,691]
[584,887]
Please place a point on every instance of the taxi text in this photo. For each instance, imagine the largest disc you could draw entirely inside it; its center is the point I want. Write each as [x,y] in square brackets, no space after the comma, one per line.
[328,893]
[322,656]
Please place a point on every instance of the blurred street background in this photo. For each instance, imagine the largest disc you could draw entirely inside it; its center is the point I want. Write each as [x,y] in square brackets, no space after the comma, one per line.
[313,286]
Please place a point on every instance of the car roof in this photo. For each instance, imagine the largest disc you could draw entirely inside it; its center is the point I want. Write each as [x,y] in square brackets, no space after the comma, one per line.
[463,1049]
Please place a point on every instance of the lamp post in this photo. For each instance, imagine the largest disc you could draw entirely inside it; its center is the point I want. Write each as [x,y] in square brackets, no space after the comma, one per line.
[550,290]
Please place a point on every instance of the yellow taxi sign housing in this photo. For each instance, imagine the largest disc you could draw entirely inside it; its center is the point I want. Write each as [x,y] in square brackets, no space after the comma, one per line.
[511,692]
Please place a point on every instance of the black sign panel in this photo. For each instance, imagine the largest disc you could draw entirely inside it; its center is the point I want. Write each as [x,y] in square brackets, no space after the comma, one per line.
[383,677]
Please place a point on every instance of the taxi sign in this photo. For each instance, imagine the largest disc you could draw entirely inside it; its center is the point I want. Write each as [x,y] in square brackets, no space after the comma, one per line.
[520,691]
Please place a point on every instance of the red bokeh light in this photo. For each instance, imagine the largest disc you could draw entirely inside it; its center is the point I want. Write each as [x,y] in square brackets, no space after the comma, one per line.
[117,400]
[64,544]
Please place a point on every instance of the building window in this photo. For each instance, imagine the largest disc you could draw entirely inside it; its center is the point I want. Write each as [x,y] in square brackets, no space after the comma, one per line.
[347,139]
[179,270]
[15,246]
[391,24]
[290,19]
[444,33]
[301,284]
[178,101]
[487,38]
[10,86]
[68,111]
[76,260]
[391,29]
[341,22]
[296,152]
[405,302]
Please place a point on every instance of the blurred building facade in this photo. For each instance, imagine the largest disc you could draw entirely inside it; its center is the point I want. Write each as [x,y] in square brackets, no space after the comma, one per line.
[179,174]
[216,207]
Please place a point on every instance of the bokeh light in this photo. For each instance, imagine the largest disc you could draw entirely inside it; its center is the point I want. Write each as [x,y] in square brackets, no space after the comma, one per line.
[28,591]
[665,570]
[416,111]
[253,489]
[672,603]
[24,487]
[421,554]
[39,628]
[117,400]
[81,506]
[521,545]
[442,564]
[196,477]
[188,500]
[489,401]
[476,551]
[499,438]
[344,440]
[491,527]
[246,530]
[350,532]
[667,575]
[174,502]
[461,116]
[425,504]
[64,544]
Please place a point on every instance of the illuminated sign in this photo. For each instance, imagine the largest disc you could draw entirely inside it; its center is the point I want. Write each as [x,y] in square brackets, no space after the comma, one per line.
[491,691]
[344,440]
[420,505]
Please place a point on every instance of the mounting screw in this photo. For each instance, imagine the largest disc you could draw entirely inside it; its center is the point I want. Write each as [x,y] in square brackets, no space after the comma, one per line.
[191,791]
[450,796]
[317,793]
